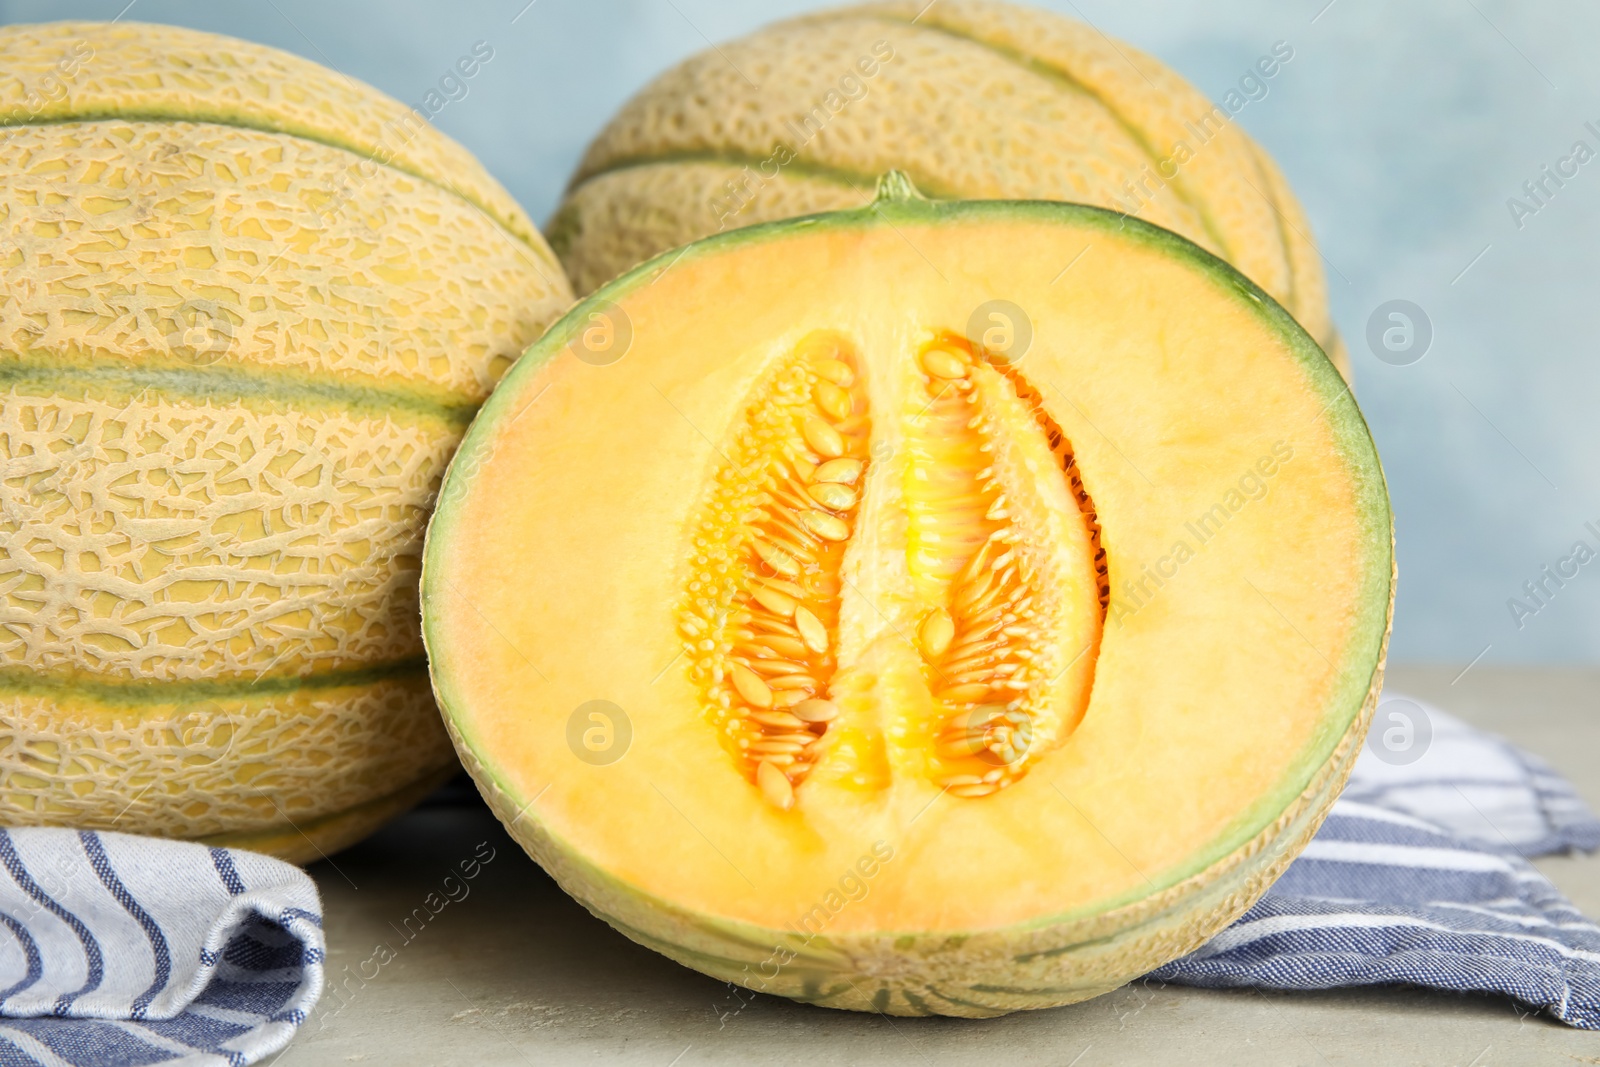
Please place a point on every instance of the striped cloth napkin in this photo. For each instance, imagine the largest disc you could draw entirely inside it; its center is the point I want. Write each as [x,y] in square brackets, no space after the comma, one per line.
[1417,877]
[130,950]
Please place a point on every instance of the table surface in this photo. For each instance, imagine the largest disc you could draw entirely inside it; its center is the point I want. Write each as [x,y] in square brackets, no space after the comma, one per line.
[516,973]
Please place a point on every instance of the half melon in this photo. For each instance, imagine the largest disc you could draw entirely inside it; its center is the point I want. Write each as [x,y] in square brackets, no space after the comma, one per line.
[937,607]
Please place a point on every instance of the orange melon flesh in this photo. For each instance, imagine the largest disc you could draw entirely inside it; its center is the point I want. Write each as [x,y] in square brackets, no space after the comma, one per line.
[1199,739]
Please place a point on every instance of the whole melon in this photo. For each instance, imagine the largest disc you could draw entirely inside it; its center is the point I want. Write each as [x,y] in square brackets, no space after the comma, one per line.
[248,308]
[973,99]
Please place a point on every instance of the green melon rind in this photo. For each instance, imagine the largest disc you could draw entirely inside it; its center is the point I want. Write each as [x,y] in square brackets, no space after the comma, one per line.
[128,694]
[263,387]
[1050,961]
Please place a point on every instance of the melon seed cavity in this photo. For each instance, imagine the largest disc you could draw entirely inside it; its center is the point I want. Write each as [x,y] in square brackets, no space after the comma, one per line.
[763,601]
[760,615]
[990,640]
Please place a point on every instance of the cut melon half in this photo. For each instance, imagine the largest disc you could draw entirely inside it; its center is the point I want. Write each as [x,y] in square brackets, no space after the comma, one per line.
[945,607]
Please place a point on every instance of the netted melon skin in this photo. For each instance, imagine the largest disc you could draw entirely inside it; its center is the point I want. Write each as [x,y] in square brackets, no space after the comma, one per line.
[145,71]
[975,100]
[235,357]
[219,766]
[244,544]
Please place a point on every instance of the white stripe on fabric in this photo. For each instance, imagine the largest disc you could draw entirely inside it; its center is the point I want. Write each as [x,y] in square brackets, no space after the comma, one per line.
[1249,931]
[1353,809]
[1437,859]
[1508,916]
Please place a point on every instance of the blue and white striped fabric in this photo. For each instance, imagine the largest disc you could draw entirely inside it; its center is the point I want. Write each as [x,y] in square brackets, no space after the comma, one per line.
[1417,877]
[129,950]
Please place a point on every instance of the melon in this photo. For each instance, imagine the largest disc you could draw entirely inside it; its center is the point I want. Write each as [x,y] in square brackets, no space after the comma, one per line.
[815,630]
[249,307]
[973,99]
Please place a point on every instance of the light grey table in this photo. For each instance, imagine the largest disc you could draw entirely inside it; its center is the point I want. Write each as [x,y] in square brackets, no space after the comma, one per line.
[517,974]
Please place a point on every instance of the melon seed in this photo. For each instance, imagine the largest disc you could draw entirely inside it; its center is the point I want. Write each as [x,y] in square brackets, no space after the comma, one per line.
[835,371]
[845,471]
[816,710]
[788,589]
[774,601]
[777,559]
[802,737]
[774,785]
[824,440]
[750,686]
[783,646]
[828,527]
[936,633]
[812,632]
[970,593]
[775,666]
[832,495]
[793,681]
[776,748]
[778,720]
[943,364]
[835,401]
[774,626]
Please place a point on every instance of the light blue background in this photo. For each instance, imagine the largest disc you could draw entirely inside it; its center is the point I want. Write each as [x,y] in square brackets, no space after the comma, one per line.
[1404,128]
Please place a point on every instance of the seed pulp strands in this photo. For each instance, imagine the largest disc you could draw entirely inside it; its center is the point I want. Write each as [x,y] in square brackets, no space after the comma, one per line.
[763,602]
[987,648]
[760,618]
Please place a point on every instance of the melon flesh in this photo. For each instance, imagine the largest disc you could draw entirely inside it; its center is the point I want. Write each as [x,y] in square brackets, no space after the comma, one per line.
[904,801]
